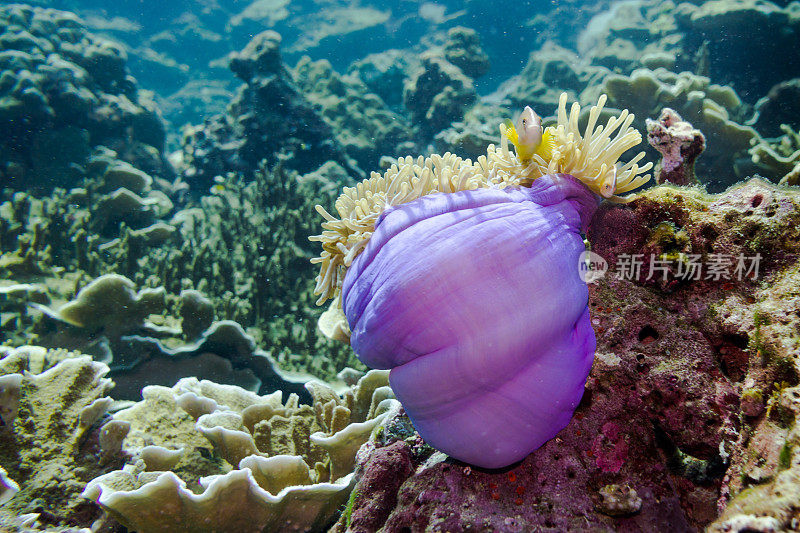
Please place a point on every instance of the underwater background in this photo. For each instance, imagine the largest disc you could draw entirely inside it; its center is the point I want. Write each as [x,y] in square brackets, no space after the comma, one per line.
[164,365]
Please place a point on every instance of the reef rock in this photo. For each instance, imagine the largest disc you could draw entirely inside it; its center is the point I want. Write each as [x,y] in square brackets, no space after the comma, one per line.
[661,440]
[268,116]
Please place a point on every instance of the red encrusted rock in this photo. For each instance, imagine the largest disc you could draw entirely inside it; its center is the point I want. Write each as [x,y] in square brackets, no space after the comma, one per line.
[382,471]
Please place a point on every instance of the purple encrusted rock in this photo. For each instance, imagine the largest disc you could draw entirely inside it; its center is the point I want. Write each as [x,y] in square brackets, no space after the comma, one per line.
[679,144]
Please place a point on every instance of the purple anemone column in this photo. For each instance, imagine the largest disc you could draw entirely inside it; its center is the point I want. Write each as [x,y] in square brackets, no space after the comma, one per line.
[474,301]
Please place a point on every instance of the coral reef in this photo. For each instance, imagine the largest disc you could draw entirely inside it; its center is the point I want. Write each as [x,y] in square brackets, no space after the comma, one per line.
[781,105]
[779,159]
[754,66]
[361,123]
[51,249]
[274,467]
[60,442]
[679,144]
[689,417]
[686,36]
[463,49]
[631,34]
[131,332]
[171,47]
[710,108]
[268,117]
[437,94]
[384,74]
[64,92]
[648,55]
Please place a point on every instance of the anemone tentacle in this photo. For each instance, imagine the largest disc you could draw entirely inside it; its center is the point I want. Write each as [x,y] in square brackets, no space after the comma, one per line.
[591,156]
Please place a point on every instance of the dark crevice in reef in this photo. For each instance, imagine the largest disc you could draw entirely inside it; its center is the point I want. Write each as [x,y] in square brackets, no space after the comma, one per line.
[698,471]
[648,334]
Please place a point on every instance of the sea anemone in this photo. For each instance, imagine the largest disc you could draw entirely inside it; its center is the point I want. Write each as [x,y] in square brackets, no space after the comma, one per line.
[462,278]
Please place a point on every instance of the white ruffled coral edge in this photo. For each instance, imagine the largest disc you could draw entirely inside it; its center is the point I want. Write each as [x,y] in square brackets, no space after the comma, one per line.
[233,500]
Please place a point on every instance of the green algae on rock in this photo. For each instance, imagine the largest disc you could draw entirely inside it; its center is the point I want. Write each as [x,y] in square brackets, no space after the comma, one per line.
[52,418]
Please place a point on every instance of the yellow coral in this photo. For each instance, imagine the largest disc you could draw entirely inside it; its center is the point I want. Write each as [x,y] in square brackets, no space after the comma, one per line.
[592,158]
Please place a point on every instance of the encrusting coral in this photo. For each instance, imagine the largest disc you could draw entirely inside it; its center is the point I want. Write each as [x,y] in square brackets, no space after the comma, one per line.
[590,156]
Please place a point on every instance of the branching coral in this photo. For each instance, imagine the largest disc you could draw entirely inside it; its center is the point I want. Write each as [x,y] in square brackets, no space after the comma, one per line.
[591,156]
